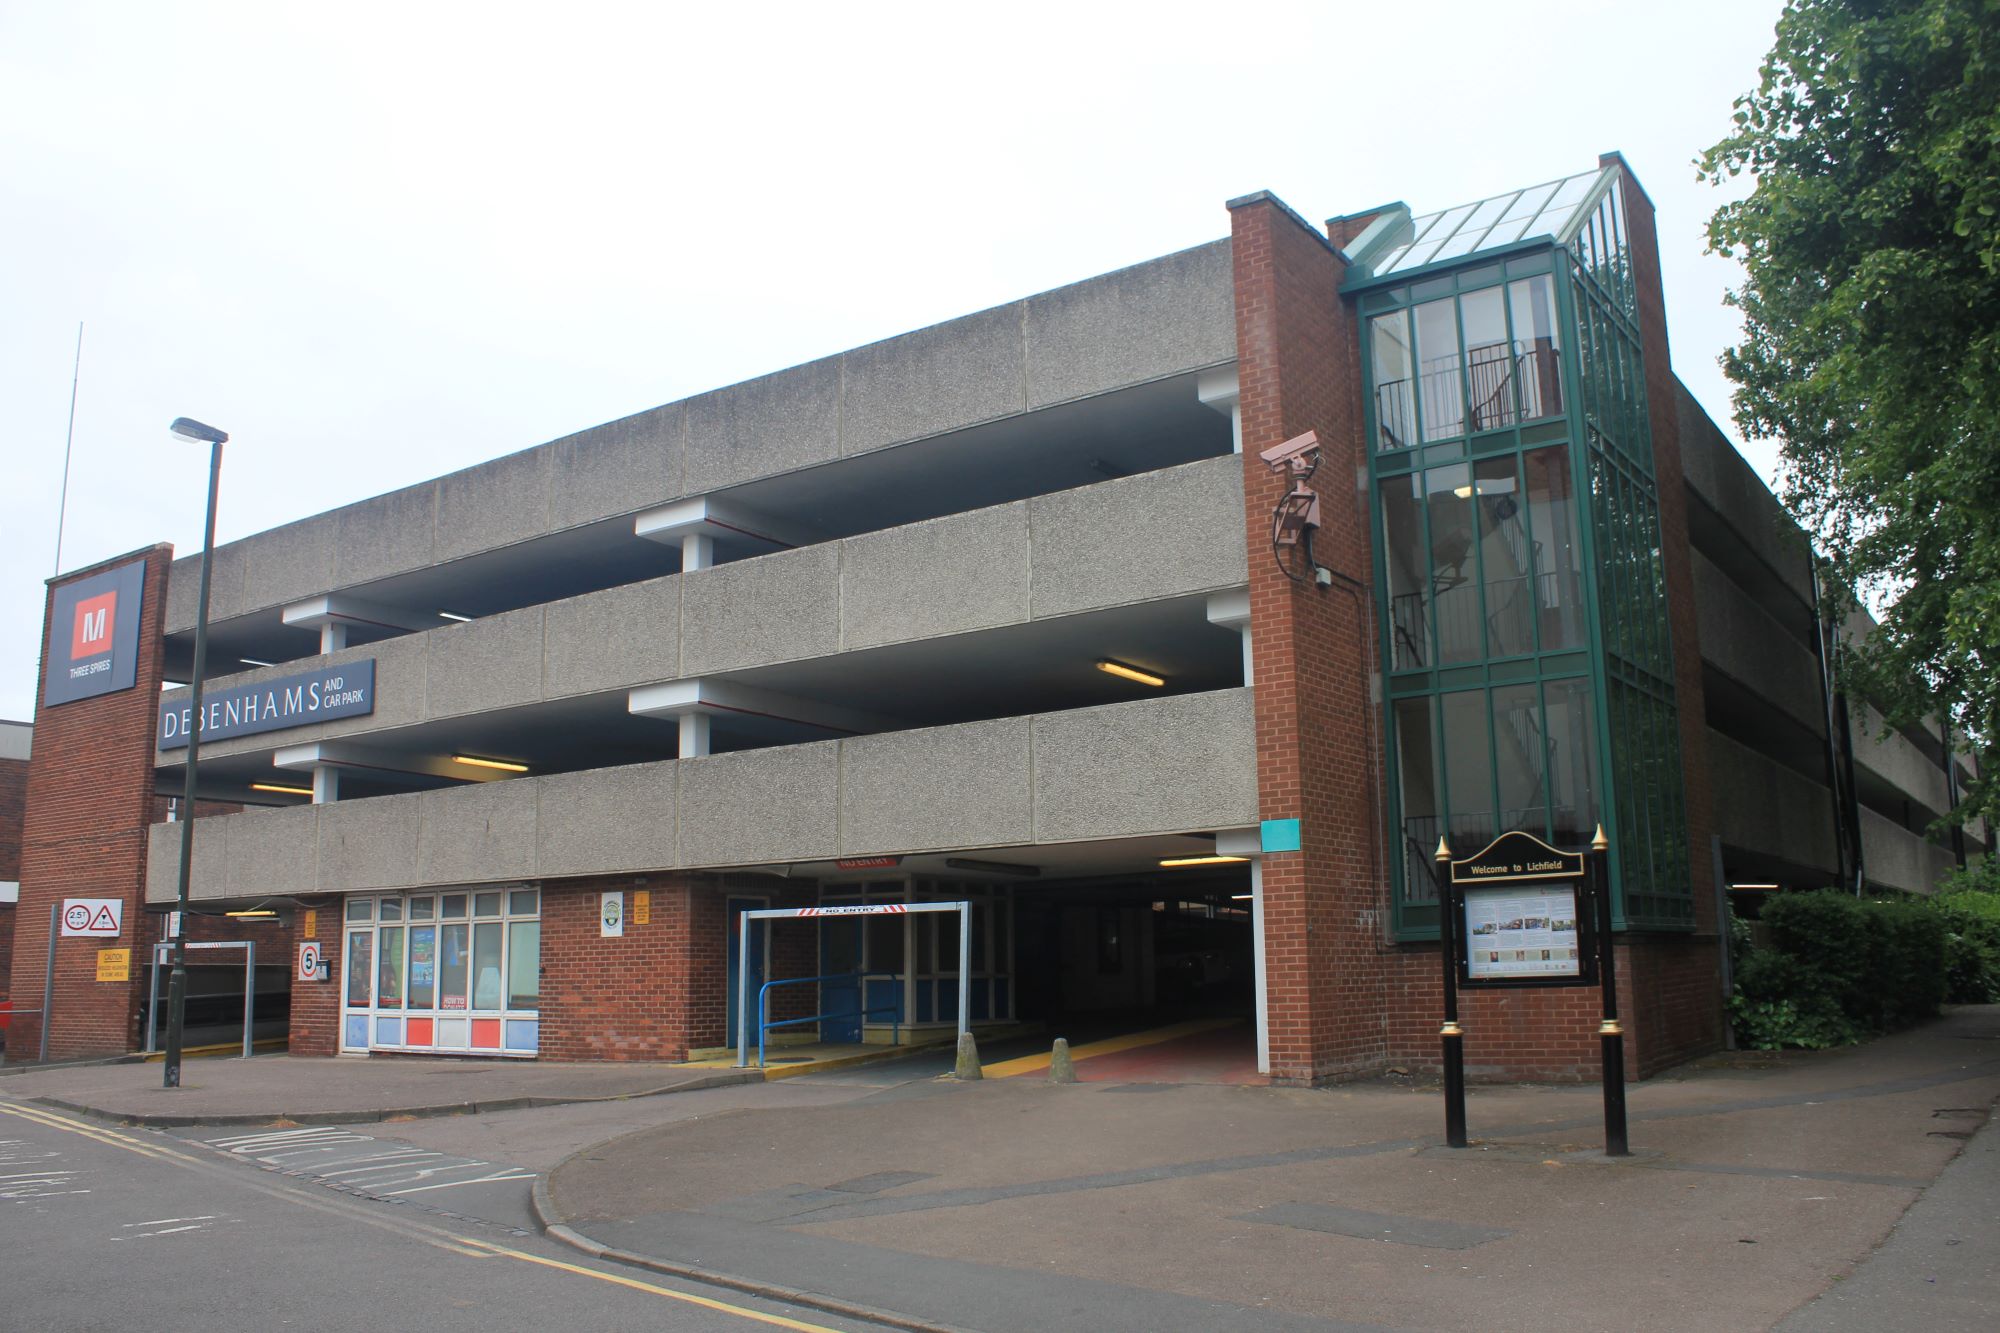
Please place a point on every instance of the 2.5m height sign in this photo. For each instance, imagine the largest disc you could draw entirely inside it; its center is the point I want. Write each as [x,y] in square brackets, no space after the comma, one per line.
[93,916]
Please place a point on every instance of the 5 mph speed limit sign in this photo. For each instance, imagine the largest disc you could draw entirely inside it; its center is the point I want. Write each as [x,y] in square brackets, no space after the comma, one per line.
[309,961]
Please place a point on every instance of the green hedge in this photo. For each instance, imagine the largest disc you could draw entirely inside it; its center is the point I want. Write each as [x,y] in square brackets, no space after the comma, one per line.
[1972,944]
[1837,969]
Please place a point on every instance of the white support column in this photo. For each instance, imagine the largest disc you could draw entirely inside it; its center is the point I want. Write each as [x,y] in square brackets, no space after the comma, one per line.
[332,637]
[326,784]
[1218,389]
[1231,610]
[1249,842]
[694,735]
[697,551]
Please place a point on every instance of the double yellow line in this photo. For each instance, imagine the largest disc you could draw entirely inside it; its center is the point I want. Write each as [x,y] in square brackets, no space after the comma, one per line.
[471,1246]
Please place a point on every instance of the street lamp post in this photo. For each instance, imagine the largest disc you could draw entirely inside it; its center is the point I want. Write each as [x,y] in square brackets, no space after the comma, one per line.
[187,428]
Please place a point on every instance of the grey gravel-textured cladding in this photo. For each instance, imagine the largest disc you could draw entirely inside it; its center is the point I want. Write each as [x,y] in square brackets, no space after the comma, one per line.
[598,471]
[610,639]
[771,609]
[1764,807]
[1740,639]
[485,664]
[1131,326]
[761,805]
[1154,766]
[947,576]
[1168,316]
[1170,531]
[1151,766]
[604,820]
[937,787]
[764,426]
[936,379]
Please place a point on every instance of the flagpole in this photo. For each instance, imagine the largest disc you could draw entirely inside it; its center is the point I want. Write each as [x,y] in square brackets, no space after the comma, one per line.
[69,439]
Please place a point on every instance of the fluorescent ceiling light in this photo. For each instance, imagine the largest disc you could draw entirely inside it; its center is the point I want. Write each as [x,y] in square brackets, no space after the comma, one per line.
[453,615]
[277,787]
[503,765]
[1112,668]
[1240,897]
[255,911]
[251,661]
[1754,886]
[1203,860]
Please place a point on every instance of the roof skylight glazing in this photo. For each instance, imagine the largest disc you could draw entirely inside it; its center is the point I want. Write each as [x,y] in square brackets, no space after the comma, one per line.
[1539,210]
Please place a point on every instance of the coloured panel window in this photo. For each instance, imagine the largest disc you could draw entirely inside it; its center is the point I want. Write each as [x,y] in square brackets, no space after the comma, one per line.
[453,1034]
[523,1034]
[524,964]
[355,1036]
[360,970]
[388,1032]
[486,1034]
[419,1033]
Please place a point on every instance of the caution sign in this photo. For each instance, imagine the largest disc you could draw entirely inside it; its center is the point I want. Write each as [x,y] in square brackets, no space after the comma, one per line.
[114,964]
[92,916]
[309,961]
[611,914]
[642,907]
[311,926]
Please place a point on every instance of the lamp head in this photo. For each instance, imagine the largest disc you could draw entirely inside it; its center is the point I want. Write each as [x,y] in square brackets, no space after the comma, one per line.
[187,428]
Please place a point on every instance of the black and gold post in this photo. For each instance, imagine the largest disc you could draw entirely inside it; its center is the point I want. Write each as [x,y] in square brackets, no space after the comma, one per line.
[1610,1033]
[1450,1033]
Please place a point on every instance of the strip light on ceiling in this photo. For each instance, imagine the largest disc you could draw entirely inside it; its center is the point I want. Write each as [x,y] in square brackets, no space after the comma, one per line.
[1115,668]
[255,911]
[453,615]
[473,761]
[1173,861]
[281,789]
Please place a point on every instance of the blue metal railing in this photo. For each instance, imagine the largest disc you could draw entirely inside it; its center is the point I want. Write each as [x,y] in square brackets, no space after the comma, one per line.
[860,979]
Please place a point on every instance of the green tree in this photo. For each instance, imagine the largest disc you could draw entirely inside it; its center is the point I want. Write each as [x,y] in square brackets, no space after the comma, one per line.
[1871,338]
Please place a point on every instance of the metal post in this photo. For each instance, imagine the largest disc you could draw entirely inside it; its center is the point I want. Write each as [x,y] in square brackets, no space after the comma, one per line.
[743,988]
[964,968]
[153,997]
[1610,1034]
[177,984]
[1450,1034]
[249,992]
[49,979]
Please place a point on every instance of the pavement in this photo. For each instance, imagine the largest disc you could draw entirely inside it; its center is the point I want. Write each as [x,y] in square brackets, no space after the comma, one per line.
[1843,1190]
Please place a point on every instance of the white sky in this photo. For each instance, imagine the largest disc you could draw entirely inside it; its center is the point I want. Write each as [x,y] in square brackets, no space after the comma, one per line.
[378,242]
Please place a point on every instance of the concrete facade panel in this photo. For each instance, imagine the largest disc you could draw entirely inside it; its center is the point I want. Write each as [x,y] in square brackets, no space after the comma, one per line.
[1764,807]
[1157,534]
[1893,857]
[774,608]
[1725,482]
[761,805]
[950,575]
[386,535]
[225,582]
[1889,755]
[369,844]
[1173,314]
[616,468]
[163,851]
[607,820]
[937,379]
[764,426]
[506,500]
[486,664]
[297,567]
[1173,765]
[1741,640]
[270,853]
[941,787]
[612,639]
[484,831]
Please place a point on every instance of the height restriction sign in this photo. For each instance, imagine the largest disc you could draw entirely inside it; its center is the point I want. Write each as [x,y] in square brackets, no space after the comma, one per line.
[92,916]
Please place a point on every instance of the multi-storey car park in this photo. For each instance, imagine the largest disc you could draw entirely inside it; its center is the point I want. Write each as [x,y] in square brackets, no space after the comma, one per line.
[992,611]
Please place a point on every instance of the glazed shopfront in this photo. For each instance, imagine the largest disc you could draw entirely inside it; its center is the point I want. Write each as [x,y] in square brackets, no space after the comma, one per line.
[443,973]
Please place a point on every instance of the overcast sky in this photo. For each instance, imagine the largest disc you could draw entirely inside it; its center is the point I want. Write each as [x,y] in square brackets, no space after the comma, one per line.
[379,242]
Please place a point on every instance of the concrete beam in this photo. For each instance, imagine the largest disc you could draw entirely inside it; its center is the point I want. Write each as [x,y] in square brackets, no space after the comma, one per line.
[704,696]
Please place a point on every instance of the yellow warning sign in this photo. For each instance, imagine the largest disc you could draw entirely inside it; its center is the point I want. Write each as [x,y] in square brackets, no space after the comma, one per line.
[312,923]
[642,907]
[114,964]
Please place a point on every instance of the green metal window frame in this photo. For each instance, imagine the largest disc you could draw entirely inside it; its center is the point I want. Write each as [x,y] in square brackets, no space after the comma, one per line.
[1605,427]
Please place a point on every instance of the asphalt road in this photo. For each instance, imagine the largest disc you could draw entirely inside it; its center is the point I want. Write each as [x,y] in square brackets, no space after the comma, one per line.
[219,1230]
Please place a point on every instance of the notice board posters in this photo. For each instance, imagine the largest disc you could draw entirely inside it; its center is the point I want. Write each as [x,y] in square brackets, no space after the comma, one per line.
[1523,932]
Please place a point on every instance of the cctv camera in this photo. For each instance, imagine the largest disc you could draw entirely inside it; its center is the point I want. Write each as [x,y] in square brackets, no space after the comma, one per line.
[1298,454]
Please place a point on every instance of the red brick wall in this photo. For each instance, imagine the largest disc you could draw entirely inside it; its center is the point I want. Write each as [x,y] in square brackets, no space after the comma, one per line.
[89,799]
[1313,653]
[1677,1012]
[315,1027]
[13,805]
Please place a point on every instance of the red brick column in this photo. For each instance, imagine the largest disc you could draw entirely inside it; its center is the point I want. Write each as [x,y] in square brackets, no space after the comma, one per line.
[315,1025]
[89,800]
[1675,1007]
[1318,732]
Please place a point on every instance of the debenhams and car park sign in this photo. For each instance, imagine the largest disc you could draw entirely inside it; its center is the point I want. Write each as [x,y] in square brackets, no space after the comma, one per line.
[347,690]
